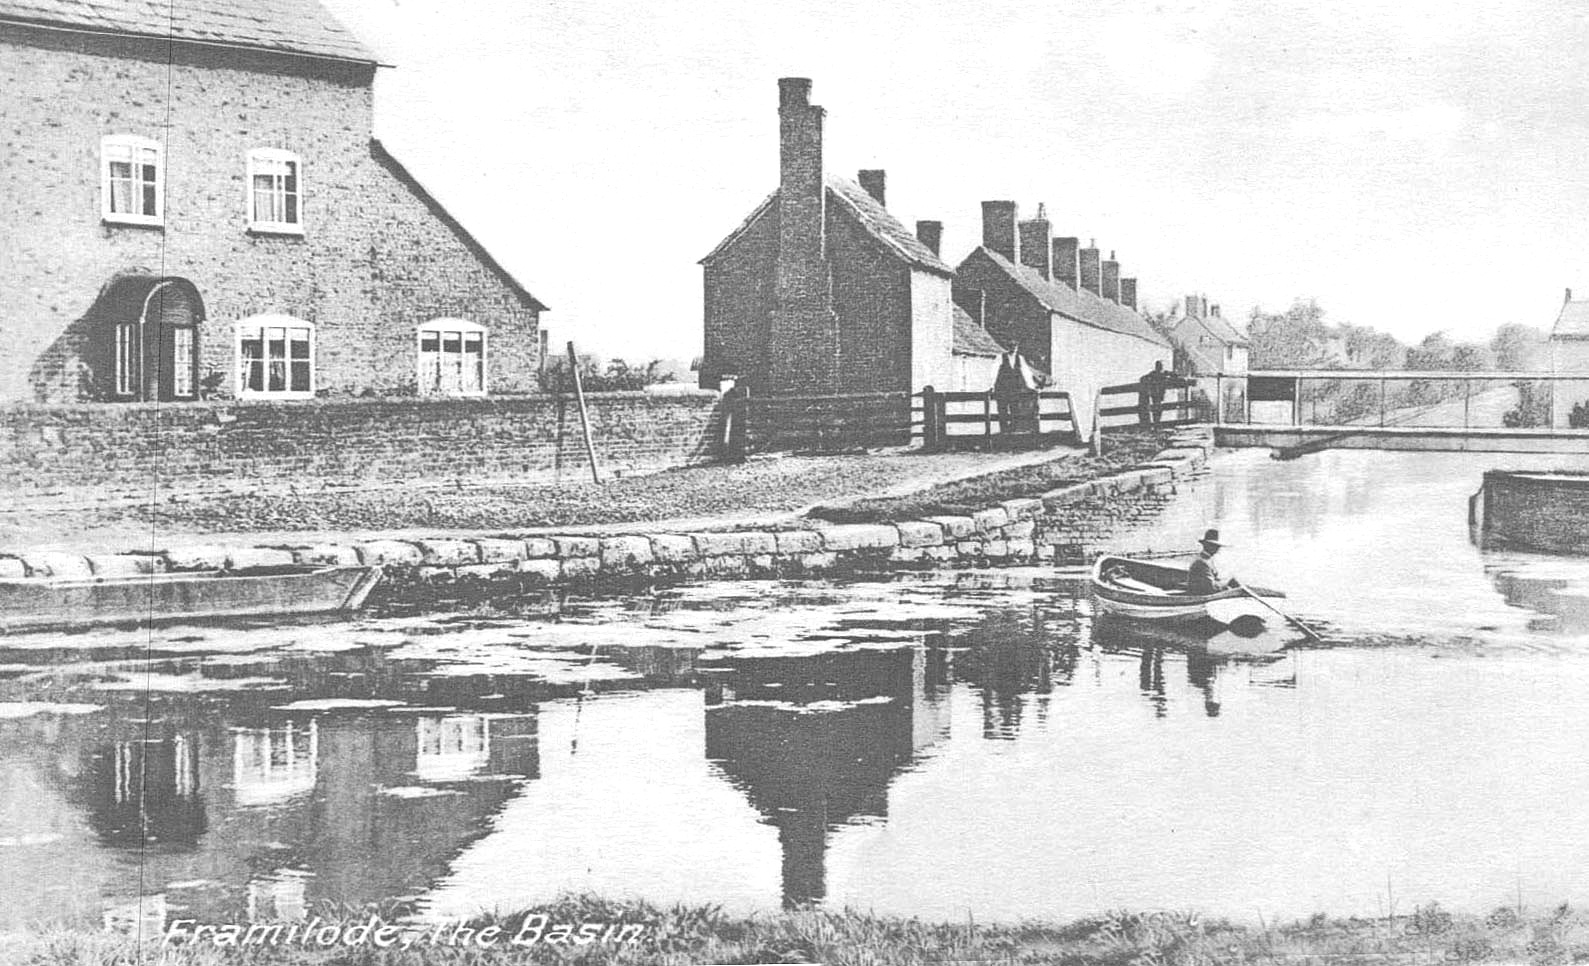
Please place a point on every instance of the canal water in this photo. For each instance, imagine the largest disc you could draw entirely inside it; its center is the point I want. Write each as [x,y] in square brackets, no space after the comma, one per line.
[971,743]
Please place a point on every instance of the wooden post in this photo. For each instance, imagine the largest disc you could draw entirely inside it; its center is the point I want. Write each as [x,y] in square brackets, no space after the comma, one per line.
[584,417]
[987,420]
[930,427]
[1382,400]
[1296,401]
[1219,398]
[1467,399]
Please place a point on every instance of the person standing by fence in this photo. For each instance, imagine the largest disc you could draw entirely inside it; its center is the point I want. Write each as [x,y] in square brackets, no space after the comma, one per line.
[1015,388]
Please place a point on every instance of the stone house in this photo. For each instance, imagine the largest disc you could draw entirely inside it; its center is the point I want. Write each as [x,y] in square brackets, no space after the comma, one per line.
[1068,311]
[1569,352]
[822,291]
[192,204]
[1206,344]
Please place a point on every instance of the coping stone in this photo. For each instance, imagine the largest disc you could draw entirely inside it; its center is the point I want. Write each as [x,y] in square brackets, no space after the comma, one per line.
[991,518]
[242,557]
[798,541]
[388,552]
[493,549]
[449,553]
[625,553]
[577,546]
[672,548]
[329,554]
[539,548]
[197,558]
[955,527]
[860,536]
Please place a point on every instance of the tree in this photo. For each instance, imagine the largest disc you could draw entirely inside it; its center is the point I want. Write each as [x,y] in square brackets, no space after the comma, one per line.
[1517,347]
[1293,339]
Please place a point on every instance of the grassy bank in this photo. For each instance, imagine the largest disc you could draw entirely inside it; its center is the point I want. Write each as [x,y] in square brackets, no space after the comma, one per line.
[969,495]
[696,935]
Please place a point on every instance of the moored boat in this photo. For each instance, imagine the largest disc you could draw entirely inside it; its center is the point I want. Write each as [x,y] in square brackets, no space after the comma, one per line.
[1156,590]
[32,603]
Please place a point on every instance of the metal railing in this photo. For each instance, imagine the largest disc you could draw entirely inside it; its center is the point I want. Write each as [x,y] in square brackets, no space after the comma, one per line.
[1445,399]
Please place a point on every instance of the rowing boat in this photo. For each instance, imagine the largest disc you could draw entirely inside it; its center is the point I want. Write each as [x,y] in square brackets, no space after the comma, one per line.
[30,603]
[1156,590]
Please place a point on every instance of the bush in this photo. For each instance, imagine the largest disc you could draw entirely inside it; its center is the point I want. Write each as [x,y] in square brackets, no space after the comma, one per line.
[1579,417]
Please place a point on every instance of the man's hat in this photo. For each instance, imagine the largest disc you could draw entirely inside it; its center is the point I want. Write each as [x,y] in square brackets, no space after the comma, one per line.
[1211,536]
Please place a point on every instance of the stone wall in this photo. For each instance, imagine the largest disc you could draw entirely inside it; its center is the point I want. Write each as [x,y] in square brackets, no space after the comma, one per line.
[131,446]
[1543,511]
[1066,525]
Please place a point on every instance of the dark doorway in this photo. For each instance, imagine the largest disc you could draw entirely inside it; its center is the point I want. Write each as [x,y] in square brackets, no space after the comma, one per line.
[149,349]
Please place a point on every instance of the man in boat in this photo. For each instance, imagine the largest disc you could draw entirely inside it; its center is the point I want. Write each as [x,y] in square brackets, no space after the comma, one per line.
[1203,577]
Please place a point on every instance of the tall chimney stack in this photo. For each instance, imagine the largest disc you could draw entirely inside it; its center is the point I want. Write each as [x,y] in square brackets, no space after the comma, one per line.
[1111,278]
[803,331]
[930,233]
[1037,239]
[802,199]
[1128,293]
[998,229]
[1569,296]
[1090,269]
[1194,307]
[874,180]
[1065,261]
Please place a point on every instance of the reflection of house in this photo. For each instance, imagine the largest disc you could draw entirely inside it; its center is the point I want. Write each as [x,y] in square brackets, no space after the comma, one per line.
[263,245]
[1569,352]
[821,290]
[272,764]
[1068,310]
[814,742]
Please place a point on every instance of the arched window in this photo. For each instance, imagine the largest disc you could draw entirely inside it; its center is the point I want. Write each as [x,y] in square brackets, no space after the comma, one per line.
[275,191]
[452,358]
[132,180]
[275,357]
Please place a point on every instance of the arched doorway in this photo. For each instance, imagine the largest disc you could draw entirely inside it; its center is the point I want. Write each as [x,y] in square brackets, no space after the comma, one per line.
[150,343]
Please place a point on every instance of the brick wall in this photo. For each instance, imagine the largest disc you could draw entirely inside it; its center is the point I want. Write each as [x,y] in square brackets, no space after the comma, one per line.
[377,256]
[521,437]
[1546,511]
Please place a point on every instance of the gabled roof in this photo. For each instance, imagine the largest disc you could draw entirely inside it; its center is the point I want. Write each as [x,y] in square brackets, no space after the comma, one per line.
[972,339]
[384,158]
[873,218]
[300,27]
[1573,322]
[1213,326]
[1079,305]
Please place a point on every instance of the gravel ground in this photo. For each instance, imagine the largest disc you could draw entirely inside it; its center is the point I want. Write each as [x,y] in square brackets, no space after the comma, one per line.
[761,491]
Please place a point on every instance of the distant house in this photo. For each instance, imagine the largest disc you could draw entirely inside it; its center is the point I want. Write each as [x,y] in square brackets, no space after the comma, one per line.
[1569,352]
[821,290]
[1205,342]
[1068,311]
[191,204]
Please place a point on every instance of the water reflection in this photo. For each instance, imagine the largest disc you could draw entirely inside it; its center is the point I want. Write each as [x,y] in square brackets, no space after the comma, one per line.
[971,743]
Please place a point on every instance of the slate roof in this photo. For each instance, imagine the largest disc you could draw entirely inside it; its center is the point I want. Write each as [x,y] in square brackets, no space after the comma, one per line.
[1077,304]
[972,339]
[1573,322]
[286,26]
[883,227]
[1220,328]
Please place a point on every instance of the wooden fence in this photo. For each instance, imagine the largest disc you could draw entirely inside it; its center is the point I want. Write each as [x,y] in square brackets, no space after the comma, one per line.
[1131,408]
[825,424]
[988,420]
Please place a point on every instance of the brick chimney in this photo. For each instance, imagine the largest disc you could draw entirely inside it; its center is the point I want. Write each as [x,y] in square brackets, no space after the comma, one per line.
[1037,239]
[1065,261]
[1214,311]
[1569,296]
[1111,278]
[930,233]
[803,343]
[874,181]
[1194,307]
[802,200]
[1128,293]
[998,229]
[1090,268]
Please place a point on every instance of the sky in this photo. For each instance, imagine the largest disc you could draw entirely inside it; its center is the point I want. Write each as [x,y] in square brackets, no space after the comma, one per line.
[1413,166]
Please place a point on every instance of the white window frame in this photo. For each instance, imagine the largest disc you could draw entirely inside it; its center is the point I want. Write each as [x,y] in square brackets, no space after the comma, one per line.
[256,324]
[260,158]
[132,145]
[440,328]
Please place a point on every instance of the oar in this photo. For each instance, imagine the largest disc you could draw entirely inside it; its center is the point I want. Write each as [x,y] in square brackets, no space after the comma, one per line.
[1294,622]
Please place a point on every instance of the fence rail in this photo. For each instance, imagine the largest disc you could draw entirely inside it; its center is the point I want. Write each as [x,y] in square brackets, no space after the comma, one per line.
[990,420]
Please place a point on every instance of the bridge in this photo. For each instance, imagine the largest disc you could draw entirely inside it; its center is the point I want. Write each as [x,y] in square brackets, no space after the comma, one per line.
[1298,411]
